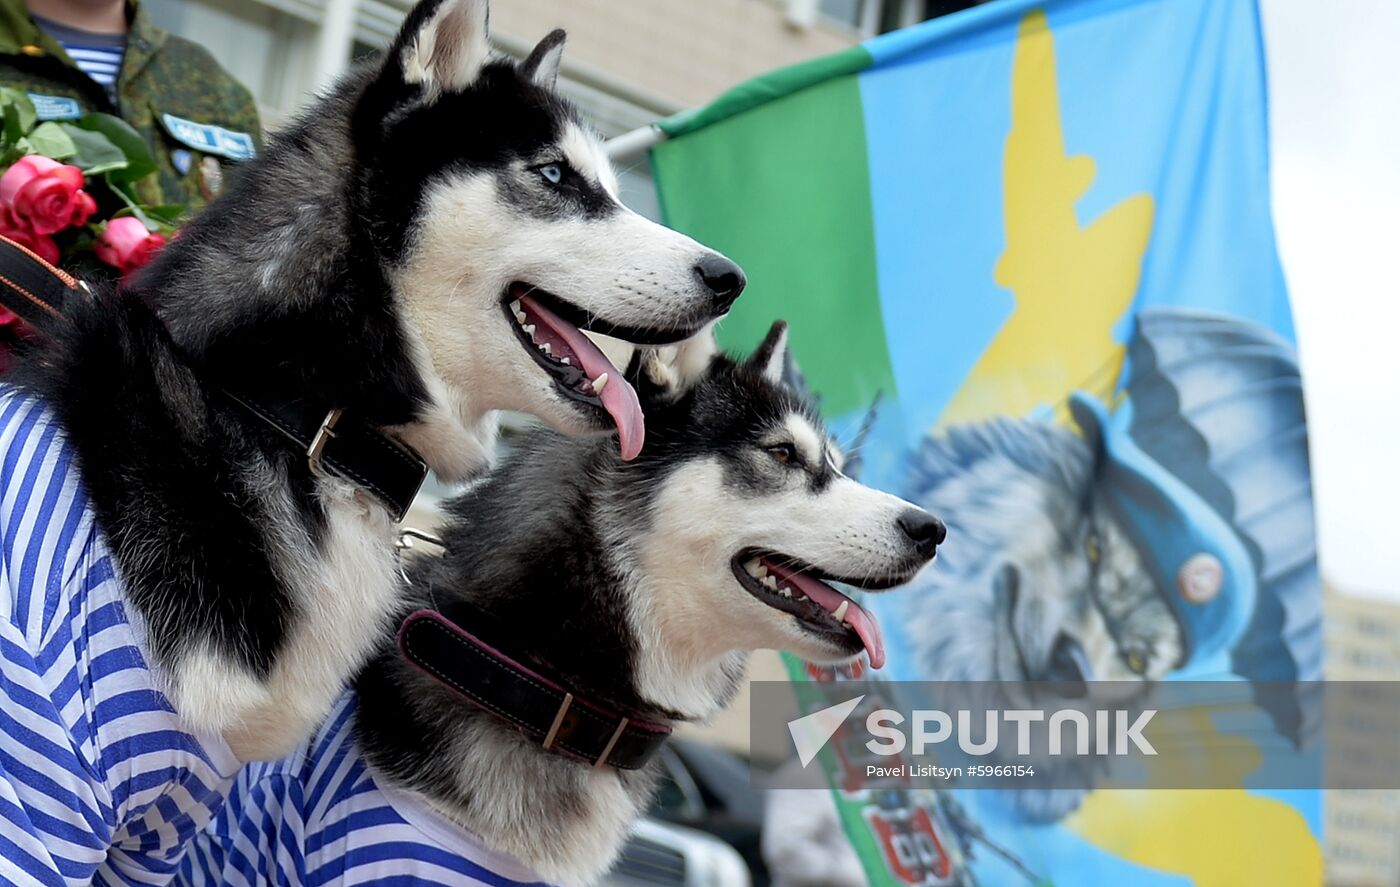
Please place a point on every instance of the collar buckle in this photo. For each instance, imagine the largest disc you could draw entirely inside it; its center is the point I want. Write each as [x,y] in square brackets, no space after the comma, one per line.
[324,434]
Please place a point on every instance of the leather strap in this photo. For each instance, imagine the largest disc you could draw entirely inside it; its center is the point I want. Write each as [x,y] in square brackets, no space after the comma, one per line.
[337,444]
[344,446]
[559,720]
[32,288]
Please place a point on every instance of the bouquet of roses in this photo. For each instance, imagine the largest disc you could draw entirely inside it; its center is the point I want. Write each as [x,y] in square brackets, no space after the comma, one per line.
[68,191]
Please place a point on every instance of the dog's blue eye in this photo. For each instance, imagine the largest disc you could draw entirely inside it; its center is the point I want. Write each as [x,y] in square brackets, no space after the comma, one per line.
[553,173]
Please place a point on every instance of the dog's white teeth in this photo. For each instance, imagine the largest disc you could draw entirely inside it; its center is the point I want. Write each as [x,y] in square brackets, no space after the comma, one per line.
[803,599]
[547,349]
[785,591]
[762,571]
[564,361]
[754,568]
[599,382]
[770,583]
[515,307]
[840,614]
[520,317]
[529,329]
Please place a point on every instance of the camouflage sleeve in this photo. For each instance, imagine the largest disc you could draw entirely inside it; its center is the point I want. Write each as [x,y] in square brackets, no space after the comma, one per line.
[183,80]
[192,78]
[243,111]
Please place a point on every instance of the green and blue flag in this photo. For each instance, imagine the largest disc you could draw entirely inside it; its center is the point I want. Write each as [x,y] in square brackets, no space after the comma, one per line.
[1028,236]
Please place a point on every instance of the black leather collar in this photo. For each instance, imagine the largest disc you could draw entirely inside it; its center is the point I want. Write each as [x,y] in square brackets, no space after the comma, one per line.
[560,721]
[341,444]
[334,442]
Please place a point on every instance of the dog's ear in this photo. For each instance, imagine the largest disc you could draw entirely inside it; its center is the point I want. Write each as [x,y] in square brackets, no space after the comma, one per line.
[663,374]
[443,45]
[542,67]
[771,357]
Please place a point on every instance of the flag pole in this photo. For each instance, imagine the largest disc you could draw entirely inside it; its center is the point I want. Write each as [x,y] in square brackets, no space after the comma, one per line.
[638,141]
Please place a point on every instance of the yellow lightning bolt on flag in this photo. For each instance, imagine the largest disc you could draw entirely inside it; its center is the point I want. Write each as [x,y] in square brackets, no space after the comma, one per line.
[1071,283]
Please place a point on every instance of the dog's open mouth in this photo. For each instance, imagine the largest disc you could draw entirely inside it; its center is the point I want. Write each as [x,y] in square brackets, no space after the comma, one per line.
[785,585]
[579,368]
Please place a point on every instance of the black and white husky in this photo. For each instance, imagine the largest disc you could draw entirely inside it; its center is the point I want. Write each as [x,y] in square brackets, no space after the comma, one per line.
[639,587]
[420,249]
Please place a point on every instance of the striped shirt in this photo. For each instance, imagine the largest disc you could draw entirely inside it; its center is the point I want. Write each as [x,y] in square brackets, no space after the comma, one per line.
[99,783]
[97,55]
[321,816]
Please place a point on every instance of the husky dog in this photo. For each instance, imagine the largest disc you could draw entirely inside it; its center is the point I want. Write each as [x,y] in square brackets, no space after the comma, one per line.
[421,248]
[641,586]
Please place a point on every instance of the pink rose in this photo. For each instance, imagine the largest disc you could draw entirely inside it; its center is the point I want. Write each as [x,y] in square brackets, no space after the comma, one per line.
[126,245]
[44,196]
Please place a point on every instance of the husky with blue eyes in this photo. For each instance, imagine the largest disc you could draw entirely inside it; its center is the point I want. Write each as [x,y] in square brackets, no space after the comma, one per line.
[208,466]
[584,606]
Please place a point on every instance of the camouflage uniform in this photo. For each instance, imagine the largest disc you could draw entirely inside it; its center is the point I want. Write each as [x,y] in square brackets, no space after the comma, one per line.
[171,90]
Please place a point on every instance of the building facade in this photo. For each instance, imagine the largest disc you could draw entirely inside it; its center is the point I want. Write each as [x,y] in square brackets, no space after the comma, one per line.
[629,61]
[1363,827]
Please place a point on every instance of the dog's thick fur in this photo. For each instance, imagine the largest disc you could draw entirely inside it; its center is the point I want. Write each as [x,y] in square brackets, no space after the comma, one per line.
[362,263]
[619,580]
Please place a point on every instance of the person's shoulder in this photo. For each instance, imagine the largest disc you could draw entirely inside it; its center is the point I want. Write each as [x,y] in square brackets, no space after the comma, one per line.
[190,77]
[195,59]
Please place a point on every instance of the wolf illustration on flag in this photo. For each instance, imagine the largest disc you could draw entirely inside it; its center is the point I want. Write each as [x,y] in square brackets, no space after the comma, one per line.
[1039,234]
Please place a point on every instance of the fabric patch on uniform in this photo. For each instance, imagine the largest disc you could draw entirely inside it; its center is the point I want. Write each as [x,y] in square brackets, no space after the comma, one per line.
[182,160]
[55,107]
[209,138]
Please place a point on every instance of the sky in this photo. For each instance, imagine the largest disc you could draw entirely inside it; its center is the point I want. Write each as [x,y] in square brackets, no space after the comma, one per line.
[1335,129]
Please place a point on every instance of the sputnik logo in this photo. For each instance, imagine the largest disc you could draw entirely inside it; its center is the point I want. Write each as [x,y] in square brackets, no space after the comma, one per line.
[812,732]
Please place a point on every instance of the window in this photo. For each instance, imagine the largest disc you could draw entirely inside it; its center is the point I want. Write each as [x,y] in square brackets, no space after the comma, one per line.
[859,15]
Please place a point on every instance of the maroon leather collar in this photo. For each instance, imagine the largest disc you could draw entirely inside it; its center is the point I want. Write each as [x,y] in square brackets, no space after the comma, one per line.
[559,720]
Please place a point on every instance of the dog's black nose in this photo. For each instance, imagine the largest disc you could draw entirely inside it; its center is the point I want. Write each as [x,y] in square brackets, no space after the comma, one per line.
[924,530]
[721,277]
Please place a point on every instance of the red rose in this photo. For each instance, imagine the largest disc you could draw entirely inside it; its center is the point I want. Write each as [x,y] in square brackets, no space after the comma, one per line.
[38,244]
[127,245]
[44,196]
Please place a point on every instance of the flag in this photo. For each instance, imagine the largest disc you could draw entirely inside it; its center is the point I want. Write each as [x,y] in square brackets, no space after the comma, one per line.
[1026,251]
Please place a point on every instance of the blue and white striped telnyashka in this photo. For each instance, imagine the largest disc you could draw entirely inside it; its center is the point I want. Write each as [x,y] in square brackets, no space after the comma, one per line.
[99,783]
[99,63]
[319,817]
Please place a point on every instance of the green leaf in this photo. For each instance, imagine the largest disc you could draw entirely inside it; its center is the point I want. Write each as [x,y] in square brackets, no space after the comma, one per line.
[95,154]
[139,162]
[133,207]
[169,215]
[50,140]
[25,115]
[13,131]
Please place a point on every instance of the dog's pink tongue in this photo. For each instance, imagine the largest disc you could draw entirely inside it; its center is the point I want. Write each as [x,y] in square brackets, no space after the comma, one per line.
[830,600]
[619,398]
